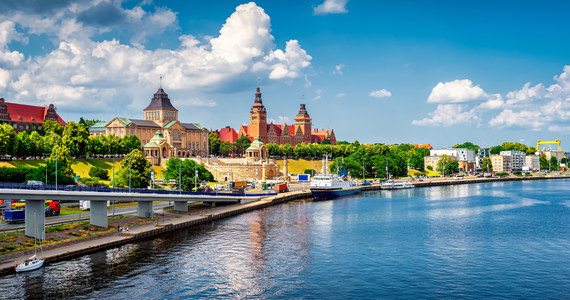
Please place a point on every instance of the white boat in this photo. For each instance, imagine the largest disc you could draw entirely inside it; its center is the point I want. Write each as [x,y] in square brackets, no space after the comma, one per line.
[331,186]
[391,185]
[29,264]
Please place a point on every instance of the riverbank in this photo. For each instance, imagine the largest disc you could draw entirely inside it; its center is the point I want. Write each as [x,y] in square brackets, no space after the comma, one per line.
[171,220]
[166,221]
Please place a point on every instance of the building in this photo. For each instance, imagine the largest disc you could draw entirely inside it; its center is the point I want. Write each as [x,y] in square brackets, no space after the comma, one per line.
[466,166]
[27,117]
[517,159]
[160,132]
[481,153]
[227,134]
[532,163]
[461,154]
[433,160]
[501,163]
[299,132]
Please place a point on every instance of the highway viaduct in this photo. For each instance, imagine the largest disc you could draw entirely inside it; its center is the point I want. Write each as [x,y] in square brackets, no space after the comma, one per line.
[35,203]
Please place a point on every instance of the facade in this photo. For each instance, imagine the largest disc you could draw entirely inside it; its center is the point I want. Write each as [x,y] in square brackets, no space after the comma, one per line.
[550,153]
[432,160]
[532,162]
[466,166]
[501,163]
[27,117]
[461,154]
[160,132]
[256,151]
[517,159]
[299,132]
[481,153]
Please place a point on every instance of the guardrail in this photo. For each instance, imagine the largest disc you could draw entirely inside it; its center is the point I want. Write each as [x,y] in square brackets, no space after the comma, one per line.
[105,189]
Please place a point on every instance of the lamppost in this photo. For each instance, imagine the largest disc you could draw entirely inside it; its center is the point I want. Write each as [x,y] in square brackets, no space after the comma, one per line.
[130,160]
[55,159]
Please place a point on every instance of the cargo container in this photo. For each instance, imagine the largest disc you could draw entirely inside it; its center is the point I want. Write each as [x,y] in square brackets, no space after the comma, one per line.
[281,187]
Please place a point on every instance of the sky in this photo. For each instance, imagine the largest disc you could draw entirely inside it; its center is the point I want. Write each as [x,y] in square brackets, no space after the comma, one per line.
[420,72]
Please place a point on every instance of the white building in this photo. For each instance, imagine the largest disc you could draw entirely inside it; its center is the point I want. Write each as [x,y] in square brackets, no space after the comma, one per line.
[461,154]
[517,159]
[481,153]
[532,162]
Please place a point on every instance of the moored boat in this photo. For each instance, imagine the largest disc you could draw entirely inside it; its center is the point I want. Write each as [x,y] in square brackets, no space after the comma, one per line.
[391,185]
[29,264]
[332,186]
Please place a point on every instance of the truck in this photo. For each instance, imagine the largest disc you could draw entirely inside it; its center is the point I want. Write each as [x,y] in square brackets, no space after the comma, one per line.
[86,204]
[238,186]
[14,216]
[281,187]
[52,208]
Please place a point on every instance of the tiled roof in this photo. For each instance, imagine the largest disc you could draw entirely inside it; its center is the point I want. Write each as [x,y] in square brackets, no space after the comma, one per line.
[169,124]
[228,134]
[160,101]
[276,127]
[192,126]
[29,113]
[244,128]
[144,123]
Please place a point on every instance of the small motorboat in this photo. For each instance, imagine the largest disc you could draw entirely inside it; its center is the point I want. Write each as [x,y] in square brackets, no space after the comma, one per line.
[29,264]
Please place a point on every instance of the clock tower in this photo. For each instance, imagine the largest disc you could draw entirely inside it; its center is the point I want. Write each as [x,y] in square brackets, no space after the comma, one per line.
[258,118]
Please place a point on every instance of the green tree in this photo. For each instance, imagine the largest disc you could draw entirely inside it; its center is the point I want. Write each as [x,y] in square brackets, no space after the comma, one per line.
[543,162]
[563,160]
[326,141]
[553,163]
[530,151]
[302,151]
[52,126]
[496,149]
[99,173]
[22,144]
[75,138]
[132,142]
[451,165]
[36,143]
[227,148]
[486,165]
[287,150]
[273,149]
[65,174]
[7,137]
[140,170]
[242,144]
[417,161]
[467,145]
[214,143]
[188,169]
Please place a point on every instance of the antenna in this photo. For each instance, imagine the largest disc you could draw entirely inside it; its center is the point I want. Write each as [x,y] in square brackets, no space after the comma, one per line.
[160,81]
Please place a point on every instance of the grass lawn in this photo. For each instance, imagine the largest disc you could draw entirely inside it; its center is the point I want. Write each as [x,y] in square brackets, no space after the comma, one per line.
[298,166]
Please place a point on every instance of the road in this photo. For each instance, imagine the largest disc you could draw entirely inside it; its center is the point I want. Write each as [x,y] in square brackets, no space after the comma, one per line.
[118,212]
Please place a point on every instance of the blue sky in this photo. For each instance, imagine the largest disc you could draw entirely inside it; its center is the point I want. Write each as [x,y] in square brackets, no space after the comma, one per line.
[439,72]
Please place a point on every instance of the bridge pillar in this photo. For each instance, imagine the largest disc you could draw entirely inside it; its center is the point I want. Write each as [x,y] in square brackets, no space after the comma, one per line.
[99,214]
[181,206]
[210,204]
[144,209]
[35,219]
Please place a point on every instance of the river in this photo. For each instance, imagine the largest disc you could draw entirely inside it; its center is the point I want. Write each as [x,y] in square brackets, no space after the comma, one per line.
[491,240]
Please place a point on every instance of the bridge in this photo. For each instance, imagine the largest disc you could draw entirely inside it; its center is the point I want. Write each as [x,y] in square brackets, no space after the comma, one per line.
[35,203]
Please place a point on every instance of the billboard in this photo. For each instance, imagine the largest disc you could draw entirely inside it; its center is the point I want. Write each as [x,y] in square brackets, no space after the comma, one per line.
[304,177]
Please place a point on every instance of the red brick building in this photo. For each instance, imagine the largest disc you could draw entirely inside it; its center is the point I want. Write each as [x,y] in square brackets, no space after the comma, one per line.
[27,117]
[297,133]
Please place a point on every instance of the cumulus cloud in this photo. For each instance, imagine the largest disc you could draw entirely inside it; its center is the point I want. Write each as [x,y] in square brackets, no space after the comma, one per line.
[493,103]
[509,118]
[457,91]
[331,7]
[447,115]
[84,74]
[526,93]
[383,93]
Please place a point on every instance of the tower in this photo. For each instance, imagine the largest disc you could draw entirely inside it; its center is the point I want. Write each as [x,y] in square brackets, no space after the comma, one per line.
[160,110]
[304,121]
[258,118]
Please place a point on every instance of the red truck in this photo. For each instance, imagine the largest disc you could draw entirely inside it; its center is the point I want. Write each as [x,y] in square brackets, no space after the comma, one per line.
[281,187]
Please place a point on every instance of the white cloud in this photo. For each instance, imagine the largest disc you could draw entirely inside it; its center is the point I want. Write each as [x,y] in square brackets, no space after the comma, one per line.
[280,120]
[340,95]
[331,7]
[493,103]
[557,128]
[527,93]
[380,93]
[318,95]
[81,74]
[449,114]
[338,69]
[523,119]
[457,91]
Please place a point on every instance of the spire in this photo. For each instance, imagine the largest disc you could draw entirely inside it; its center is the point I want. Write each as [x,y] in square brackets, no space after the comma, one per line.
[258,96]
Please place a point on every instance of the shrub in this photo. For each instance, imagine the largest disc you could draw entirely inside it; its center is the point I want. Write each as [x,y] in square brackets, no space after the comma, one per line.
[14,174]
[88,181]
[99,173]
[430,168]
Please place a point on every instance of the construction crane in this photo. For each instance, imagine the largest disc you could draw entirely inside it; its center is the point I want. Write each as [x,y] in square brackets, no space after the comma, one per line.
[556,141]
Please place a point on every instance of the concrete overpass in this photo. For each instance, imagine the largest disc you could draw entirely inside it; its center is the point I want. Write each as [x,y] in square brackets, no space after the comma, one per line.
[35,203]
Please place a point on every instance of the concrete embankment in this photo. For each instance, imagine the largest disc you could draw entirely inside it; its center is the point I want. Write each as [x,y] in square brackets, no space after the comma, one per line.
[165,223]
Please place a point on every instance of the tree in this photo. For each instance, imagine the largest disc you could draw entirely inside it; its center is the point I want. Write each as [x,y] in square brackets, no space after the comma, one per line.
[563,160]
[417,161]
[7,136]
[140,170]
[99,173]
[530,151]
[326,141]
[214,143]
[132,142]
[486,165]
[65,174]
[243,143]
[287,150]
[188,170]
[553,163]
[496,150]
[451,165]
[76,138]
[467,145]
[543,162]
[52,126]
[273,149]
[226,148]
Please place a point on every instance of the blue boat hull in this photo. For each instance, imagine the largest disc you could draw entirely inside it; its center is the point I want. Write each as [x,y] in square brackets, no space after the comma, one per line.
[333,193]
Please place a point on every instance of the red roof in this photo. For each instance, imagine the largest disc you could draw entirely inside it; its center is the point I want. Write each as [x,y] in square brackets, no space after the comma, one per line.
[244,128]
[228,134]
[29,113]
[277,128]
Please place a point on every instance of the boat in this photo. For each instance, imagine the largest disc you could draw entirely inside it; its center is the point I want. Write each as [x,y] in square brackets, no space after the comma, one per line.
[332,186]
[32,263]
[391,185]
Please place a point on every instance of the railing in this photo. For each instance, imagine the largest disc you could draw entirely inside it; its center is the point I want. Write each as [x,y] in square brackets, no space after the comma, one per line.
[105,189]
